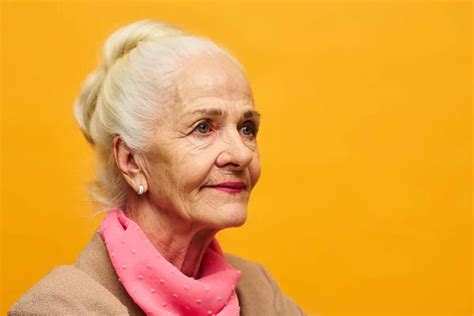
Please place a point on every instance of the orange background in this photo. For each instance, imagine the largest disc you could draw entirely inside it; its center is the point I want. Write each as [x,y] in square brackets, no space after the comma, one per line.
[364,204]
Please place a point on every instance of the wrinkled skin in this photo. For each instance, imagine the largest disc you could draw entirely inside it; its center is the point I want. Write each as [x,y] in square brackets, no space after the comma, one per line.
[208,137]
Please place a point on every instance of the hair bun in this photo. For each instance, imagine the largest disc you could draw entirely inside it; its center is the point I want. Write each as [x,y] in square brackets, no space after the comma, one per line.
[117,45]
[127,38]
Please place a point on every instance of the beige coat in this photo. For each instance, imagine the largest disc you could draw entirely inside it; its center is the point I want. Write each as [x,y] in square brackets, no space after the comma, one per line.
[90,286]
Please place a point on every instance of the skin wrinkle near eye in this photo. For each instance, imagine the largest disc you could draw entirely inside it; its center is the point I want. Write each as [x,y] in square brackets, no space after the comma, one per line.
[216,126]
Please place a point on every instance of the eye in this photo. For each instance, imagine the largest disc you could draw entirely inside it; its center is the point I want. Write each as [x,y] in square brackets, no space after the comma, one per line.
[249,129]
[203,128]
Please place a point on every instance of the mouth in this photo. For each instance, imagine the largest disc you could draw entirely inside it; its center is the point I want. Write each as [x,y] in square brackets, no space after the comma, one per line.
[229,187]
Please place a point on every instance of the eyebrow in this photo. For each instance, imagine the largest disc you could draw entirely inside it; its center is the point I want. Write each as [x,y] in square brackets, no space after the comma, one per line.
[218,112]
[210,112]
[252,114]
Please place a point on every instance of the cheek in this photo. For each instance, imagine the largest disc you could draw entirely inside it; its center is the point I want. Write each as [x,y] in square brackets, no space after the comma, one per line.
[193,170]
[254,170]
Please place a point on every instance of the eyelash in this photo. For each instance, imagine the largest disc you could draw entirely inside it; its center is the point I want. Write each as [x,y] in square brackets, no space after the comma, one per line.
[253,126]
[209,125]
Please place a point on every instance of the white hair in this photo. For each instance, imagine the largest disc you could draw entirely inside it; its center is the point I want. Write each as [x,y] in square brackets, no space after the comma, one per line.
[126,94]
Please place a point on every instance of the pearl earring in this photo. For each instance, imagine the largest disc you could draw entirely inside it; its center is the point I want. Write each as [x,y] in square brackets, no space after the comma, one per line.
[141,189]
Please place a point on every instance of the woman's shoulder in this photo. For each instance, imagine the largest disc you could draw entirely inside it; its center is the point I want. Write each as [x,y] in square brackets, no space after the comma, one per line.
[257,285]
[67,289]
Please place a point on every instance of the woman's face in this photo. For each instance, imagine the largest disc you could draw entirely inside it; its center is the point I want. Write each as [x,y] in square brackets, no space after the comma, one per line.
[205,160]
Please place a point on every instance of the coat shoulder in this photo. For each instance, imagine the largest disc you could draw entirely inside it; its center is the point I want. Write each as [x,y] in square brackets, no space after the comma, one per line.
[257,288]
[67,290]
[241,263]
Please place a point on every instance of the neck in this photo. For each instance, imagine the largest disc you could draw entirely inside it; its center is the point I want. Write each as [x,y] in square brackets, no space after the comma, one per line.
[181,243]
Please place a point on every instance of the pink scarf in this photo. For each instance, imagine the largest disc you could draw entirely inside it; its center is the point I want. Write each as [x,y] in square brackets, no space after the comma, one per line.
[156,285]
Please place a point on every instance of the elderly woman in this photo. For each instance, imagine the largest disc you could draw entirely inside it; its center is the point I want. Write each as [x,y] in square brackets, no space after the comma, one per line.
[174,126]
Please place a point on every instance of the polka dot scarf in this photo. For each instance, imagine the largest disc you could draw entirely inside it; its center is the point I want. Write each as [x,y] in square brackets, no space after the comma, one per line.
[156,285]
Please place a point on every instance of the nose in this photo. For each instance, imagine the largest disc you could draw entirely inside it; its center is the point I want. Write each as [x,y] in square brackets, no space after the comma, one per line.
[236,155]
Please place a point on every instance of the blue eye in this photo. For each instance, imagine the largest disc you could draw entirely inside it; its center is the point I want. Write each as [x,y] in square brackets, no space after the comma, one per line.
[249,129]
[203,128]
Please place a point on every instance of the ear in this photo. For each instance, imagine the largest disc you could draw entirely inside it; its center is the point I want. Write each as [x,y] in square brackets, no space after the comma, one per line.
[126,162]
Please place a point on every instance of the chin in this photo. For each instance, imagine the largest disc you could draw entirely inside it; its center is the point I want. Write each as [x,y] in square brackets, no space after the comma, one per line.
[231,216]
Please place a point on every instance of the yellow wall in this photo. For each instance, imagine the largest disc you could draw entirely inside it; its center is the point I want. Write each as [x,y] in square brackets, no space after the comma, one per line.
[364,204]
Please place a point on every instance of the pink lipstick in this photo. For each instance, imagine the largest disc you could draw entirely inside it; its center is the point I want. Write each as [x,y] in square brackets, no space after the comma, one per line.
[230,187]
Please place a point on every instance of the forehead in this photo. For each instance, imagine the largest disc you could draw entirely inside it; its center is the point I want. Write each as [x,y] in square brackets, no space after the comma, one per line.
[215,79]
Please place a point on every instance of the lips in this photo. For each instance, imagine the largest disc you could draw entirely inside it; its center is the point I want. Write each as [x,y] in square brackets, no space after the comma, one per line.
[230,187]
